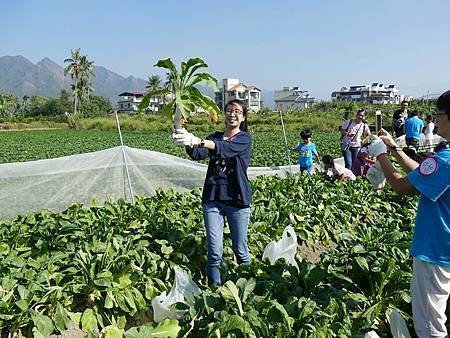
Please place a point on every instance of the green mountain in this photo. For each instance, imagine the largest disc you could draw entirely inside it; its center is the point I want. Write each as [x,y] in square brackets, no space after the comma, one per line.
[20,77]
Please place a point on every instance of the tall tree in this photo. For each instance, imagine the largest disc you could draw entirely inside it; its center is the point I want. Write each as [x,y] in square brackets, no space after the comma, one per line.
[81,70]
[153,83]
[8,104]
[87,70]
[74,69]
[184,96]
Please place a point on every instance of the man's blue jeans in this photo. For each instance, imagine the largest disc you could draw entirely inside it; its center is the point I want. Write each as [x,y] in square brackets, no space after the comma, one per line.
[350,156]
[214,213]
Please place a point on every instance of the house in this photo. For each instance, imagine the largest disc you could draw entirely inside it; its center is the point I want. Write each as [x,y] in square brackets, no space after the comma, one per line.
[376,93]
[232,89]
[292,98]
[129,102]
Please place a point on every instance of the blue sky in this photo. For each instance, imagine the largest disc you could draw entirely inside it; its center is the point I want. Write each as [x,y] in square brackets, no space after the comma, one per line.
[318,45]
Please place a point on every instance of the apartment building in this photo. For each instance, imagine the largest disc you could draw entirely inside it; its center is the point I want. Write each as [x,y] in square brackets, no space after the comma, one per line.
[232,89]
[292,98]
[129,102]
[376,93]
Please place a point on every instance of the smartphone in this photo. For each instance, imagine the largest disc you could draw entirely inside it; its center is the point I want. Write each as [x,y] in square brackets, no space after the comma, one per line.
[378,121]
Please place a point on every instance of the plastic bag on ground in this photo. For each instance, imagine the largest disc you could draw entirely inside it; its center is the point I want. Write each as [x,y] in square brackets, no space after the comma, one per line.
[376,176]
[398,325]
[182,291]
[285,248]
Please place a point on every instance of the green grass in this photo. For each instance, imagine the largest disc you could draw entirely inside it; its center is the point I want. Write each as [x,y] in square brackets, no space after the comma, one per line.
[33,125]
[268,147]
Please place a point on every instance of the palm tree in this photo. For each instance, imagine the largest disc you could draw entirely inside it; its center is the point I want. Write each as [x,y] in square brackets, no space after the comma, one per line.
[168,82]
[81,70]
[75,73]
[153,83]
[87,70]
[184,96]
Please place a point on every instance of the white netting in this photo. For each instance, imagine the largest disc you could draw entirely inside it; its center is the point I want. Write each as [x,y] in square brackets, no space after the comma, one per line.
[425,143]
[57,183]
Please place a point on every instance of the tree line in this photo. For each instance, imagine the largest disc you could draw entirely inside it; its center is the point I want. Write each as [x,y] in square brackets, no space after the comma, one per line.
[31,106]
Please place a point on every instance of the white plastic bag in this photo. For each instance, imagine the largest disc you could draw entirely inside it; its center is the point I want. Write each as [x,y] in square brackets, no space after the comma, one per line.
[371,334]
[398,325]
[182,290]
[376,176]
[285,248]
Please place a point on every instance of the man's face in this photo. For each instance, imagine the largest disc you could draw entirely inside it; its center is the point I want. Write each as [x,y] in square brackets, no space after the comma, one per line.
[443,122]
[404,105]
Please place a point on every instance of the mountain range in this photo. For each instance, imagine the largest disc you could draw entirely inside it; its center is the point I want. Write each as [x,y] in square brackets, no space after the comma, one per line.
[19,76]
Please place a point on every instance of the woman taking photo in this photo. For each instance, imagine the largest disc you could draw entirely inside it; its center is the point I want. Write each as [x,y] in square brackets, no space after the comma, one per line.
[351,132]
[226,191]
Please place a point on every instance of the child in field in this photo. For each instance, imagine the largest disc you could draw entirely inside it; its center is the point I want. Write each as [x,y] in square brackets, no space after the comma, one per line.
[428,132]
[362,162]
[339,172]
[308,152]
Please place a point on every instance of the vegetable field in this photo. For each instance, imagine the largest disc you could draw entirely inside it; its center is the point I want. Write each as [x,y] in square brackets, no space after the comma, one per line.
[99,267]
[19,146]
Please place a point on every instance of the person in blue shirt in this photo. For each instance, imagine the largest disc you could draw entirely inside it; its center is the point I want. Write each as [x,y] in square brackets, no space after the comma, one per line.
[430,248]
[413,129]
[226,192]
[308,152]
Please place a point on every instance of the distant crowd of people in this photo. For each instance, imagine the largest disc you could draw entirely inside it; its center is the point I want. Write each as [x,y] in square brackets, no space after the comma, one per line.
[354,142]
[407,122]
[356,160]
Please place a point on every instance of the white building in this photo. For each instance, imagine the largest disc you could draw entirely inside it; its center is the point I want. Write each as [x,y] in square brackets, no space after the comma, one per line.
[232,89]
[129,102]
[292,98]
[377,93]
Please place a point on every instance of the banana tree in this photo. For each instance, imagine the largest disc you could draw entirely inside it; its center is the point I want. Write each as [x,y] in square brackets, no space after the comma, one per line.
[184,96]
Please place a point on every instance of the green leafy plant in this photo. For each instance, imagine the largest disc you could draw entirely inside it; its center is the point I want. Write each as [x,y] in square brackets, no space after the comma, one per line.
[183,96]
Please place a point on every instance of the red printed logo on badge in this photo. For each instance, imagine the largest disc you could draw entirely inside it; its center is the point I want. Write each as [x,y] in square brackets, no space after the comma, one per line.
[428,166]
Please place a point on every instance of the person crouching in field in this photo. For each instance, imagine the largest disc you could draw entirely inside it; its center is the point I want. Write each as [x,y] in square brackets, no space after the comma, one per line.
[362,162]
[430,248]
[226,192]
[308,152]
[339,172]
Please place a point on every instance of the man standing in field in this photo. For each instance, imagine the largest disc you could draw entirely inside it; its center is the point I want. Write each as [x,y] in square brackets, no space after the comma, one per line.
[430,248]
[413,130]
[398,119]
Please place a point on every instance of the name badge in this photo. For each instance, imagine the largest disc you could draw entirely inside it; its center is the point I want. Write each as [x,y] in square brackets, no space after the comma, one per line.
[428,166]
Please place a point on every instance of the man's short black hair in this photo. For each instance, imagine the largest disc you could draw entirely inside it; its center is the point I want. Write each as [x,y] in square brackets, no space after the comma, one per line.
[305,134]
[414,113]
[443,103]
[404,101]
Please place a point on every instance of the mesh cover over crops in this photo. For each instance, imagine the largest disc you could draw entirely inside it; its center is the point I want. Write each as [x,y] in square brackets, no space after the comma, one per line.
[57,183]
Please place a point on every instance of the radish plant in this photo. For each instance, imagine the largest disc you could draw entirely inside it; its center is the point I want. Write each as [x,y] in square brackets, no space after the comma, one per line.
[184,96]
